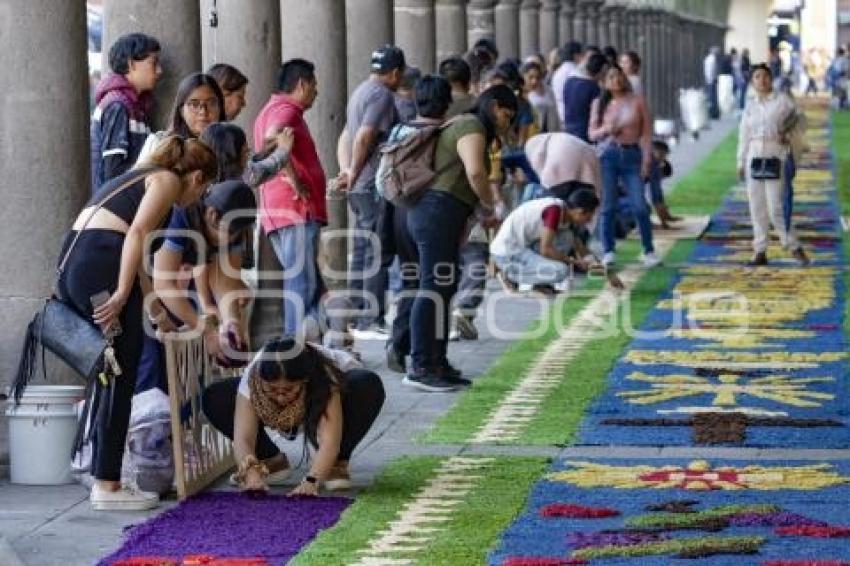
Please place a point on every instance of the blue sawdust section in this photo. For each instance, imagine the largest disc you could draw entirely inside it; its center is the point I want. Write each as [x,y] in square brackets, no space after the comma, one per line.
[782,370]
[757,520]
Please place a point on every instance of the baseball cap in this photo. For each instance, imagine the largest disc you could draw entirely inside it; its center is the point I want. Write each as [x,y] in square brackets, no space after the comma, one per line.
[387,58]
[231,196]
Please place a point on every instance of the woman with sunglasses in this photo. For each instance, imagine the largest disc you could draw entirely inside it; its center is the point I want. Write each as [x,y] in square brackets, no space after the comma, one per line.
[293,387]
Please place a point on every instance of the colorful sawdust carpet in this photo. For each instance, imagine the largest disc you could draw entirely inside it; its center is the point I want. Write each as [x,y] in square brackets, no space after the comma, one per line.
[622,512]
[232,525]
[736,355]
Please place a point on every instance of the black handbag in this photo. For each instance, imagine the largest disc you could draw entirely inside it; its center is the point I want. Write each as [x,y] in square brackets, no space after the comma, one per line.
[766,168]
[62,330]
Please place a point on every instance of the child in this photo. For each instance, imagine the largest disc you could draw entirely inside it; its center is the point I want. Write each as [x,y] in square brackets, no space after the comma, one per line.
[661,169]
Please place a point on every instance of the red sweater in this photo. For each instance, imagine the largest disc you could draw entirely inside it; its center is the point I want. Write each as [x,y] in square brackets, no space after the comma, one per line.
[278,206]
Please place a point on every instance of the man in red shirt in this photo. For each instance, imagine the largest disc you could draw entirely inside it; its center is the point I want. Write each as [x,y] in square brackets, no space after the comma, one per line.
[292,204]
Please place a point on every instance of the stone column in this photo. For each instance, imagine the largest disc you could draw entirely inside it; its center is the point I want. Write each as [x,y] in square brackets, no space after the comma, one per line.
[592,25]
[602,23]
[549,25]
[672,56]
[615,37]
[177,27]
[415,33]
[480,21]
[247,36]
[628,35]
[450,28]
[580,22]
[507,28]
[529,28]
[565,25]
[653,67]
[44,169]
[368,24]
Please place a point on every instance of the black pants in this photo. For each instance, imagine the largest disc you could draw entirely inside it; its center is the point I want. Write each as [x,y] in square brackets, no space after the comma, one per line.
[437,224]
[473,280]
[362,400]
[408,258]
[93,267]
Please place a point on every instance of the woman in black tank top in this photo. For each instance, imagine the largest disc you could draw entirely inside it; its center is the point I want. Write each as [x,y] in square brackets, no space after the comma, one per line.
[110,260]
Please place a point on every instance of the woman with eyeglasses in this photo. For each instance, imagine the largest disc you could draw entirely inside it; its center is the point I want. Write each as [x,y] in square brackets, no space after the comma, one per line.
[291,388]
[198,103]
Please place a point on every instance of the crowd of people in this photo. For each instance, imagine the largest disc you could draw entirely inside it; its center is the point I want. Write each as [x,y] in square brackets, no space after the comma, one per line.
[526,165]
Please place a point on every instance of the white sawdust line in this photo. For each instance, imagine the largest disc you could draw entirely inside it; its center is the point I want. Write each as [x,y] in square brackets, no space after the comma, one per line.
[423,518]
[509,419]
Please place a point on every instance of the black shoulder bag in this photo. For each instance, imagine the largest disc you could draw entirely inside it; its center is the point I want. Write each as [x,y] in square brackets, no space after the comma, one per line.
[765,168]
[62,330]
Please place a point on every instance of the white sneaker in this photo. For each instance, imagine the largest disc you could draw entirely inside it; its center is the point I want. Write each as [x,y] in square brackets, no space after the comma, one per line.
[650,260]
[128,498]
[610,258]
[374,331]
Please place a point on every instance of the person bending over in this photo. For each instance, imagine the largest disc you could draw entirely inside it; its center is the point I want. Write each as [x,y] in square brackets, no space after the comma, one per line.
[537,244]
[292,387]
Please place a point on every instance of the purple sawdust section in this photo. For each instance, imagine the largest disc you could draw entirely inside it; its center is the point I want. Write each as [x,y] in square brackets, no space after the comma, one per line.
[231,525]
[588,540]
[780,519]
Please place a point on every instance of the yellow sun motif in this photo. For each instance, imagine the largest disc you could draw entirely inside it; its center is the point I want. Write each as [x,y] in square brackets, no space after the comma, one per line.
[747,338]
[734,296]
[735,360]
[726,388]
[699,475]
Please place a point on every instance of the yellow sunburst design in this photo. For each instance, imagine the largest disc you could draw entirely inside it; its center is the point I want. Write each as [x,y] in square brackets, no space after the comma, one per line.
[736,360]
[700,475]
[746,339]
[726,388]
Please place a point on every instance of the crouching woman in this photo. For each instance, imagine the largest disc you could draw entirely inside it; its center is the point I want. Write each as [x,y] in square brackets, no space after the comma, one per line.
[292,387]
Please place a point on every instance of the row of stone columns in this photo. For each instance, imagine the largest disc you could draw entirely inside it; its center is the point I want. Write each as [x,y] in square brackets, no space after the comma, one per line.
[44,113]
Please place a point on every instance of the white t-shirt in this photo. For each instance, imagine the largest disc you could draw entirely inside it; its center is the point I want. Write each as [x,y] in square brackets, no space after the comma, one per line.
[559,79]
[522,228]
[343,360]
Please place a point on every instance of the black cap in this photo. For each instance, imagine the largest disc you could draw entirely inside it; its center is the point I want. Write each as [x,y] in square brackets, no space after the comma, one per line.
[387,58]
[231,196]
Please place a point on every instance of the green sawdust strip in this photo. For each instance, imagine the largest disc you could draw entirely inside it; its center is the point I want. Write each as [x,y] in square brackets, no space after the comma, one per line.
[475,405]
[702,190]
[682,548]
[371,510]
[672,521]
[561,412]
[841,154]
[471,532]
[486,512]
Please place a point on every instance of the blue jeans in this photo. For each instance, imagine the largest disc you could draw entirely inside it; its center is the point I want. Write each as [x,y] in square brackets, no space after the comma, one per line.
[788,193]
[436,223]
[622,163]
[515,158]
[656,191]
[297,249]
[372,215]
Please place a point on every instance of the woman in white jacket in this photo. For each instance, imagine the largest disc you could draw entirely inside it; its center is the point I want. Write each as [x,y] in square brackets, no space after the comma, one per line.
[763,146]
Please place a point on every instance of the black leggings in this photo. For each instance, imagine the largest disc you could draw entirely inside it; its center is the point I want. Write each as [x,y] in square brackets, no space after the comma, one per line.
[362,400]
[93,267]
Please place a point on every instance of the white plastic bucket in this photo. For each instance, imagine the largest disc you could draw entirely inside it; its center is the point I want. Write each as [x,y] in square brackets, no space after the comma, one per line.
[41,434]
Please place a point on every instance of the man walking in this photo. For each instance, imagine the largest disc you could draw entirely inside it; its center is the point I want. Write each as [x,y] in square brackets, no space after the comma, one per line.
[292,204]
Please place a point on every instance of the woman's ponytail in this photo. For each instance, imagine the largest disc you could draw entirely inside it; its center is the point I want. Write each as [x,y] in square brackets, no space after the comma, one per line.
[183,156]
